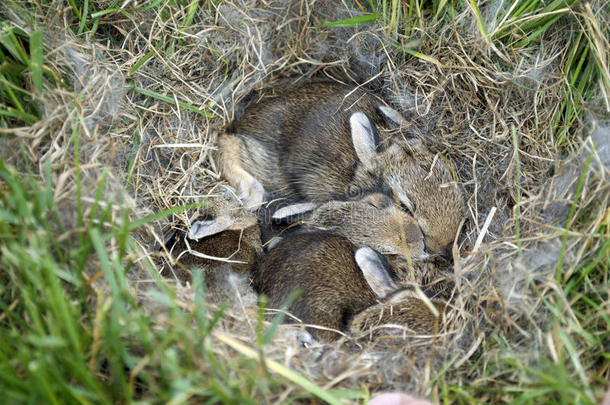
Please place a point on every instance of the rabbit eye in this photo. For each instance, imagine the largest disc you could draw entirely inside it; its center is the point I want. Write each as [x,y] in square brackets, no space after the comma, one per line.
[405,208]
[353,191]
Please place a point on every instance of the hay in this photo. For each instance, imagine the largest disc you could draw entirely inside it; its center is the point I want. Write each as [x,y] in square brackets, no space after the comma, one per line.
[158,155]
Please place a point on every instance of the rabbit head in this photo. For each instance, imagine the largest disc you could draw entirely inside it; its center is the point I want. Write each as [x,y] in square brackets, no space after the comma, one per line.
[374,220]
[419,180]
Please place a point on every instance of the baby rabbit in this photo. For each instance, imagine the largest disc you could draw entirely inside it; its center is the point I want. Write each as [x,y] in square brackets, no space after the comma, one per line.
[223,234]
[224,244]
[337,280]
[319,142]
[401,312]
[374,221]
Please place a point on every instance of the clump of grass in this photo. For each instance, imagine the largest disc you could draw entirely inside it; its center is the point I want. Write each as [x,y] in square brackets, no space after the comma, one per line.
[66,339]
[21,76]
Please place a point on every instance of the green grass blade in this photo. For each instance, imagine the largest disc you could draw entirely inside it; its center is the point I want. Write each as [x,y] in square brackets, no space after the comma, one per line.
[279,318]
[98,197]
[107,11]
[440,8]
[36,55]
[573,354]
[14,46]
[113,9]
[20,115]
[190,14]
[144,59]
[420,55]
[350,22]
[8,87]
[585,271]
[11,68]
[83,20]
[538,32]
[281,370]
[171,100]
[133,159]
[479,19]
[162,214]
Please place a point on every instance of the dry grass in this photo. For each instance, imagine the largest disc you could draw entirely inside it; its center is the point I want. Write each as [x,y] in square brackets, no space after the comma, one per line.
[538,213]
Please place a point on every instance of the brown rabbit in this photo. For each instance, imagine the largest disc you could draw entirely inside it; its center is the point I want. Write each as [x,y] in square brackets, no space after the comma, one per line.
[224,234]
[402,313]
[337,280]
[374,221]
[319,142]
[238,247]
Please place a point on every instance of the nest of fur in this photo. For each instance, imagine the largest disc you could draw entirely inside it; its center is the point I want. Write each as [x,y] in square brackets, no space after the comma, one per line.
[483,116]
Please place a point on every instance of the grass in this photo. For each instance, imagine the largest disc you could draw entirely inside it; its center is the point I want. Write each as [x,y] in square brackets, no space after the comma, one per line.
[68,341]
[85,316]
[517,28]
[20,60]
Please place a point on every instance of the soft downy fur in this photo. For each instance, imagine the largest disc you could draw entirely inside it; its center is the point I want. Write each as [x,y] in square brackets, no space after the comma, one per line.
[320,142]
[224,243]
[336,282]
[374,220]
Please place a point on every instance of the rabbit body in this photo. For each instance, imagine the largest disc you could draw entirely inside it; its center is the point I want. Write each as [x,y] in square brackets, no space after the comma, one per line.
[337,282]
[408,314]
[335,292]
[341,284]
[319,142]
[295,143]
[322,265]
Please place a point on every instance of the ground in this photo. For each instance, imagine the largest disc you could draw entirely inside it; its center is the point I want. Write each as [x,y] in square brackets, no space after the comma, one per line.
[108,118]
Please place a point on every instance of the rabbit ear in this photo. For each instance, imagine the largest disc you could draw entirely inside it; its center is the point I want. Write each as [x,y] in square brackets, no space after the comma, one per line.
[273,243]
[365,139]
[293,210]
[391,115]
[202,229]
[376,271]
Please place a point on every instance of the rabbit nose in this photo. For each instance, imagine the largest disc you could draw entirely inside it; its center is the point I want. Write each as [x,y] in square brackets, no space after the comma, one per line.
[413,233]
[447,253]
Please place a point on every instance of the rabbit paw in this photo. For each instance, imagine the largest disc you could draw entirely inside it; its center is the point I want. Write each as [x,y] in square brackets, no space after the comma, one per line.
[252,195]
